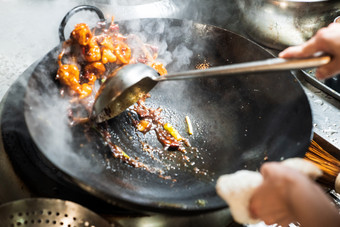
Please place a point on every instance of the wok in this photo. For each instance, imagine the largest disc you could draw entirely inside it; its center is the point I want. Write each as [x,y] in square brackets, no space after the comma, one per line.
[239,122]
[280,23]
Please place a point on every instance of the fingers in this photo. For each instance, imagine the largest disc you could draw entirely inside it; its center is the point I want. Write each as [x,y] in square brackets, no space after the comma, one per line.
[254,207]
[269,200]
[305,50]
[326,40]
[268,208]
[279,220]
[327,71]
[319,43]
[286,196]
[270,168]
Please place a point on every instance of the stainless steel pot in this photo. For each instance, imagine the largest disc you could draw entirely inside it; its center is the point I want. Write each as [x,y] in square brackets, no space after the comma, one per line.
[281,23]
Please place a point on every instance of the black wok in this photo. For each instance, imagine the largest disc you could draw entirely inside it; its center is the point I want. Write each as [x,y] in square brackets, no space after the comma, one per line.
[239,123]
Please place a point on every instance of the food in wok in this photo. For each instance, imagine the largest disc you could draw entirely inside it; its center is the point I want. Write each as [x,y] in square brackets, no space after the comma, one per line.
[86,60]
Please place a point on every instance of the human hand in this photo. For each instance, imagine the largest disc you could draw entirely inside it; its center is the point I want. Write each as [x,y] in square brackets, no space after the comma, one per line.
[286,196]
[270,201]
[326,40]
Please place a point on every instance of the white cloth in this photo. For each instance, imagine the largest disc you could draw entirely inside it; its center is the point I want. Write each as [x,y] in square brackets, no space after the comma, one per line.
[237,188]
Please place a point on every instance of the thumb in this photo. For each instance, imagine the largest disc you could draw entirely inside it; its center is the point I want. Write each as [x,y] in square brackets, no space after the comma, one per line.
[327,71]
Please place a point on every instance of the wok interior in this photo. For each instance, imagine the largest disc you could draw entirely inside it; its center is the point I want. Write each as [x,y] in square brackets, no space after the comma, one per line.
[239,122]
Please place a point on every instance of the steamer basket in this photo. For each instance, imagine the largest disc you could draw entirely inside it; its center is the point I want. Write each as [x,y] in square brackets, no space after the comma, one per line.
[48,212]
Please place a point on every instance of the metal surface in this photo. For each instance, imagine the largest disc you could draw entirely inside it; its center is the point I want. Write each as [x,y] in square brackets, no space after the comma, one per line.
[122,89]
[217,218]
[29,174]
[325,104]
[329,86]
[44,18]
[325,108]
[13,187]
[279,23]
[130,83]
[48,212]
[237,129]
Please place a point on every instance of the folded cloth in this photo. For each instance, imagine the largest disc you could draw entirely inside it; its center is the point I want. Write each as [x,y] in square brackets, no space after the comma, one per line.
[237,188]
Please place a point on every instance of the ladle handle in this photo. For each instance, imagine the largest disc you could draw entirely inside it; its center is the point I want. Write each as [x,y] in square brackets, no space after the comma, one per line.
[274,64]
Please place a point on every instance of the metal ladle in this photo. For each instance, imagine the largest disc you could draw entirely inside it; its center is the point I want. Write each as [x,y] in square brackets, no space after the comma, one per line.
[131,82]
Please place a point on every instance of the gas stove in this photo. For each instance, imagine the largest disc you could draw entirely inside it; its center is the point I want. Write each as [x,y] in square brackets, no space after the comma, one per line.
[21,171]
[27,174]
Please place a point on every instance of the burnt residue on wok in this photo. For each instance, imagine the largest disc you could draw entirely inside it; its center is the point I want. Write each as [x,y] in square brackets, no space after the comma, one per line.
[85,62]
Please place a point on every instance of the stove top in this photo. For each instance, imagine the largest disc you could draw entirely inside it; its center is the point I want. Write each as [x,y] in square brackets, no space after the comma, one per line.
[27,174]
[18,37]
[36,173]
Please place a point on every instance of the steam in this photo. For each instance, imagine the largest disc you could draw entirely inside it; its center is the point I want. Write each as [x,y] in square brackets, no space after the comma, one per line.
[29,29]
[47,114]
[160,33]
[51,112]
[32,30]
[48,124]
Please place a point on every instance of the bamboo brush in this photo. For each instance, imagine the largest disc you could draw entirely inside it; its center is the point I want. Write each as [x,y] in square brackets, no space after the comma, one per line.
[326,162]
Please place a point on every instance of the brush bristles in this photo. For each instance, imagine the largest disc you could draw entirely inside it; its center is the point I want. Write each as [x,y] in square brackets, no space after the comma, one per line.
[325,161]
